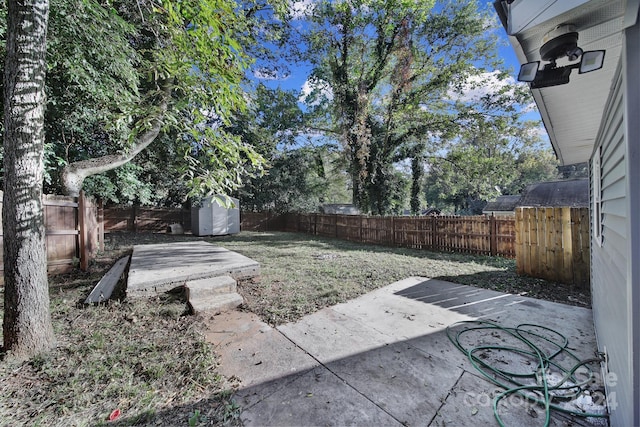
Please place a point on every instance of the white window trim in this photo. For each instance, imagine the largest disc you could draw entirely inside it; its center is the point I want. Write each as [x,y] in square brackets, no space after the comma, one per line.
[597,196]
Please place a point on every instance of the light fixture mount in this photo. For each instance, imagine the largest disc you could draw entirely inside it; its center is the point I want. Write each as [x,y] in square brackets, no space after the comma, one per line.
[558,43]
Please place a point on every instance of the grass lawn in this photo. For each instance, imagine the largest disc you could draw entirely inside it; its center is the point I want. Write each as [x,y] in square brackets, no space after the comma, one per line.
[148,359]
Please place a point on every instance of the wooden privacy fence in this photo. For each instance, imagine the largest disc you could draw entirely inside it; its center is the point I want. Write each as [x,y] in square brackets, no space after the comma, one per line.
[73,232]
[554,244]
[549,243]
[136,218]
[263,221]
[481,235]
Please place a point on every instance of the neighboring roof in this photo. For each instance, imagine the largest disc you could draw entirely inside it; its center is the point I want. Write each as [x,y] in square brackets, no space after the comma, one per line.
[571,113]
[502,204]
[571,192]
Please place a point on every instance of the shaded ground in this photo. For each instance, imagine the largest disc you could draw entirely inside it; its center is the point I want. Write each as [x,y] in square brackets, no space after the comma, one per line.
[303,273]
[148,358]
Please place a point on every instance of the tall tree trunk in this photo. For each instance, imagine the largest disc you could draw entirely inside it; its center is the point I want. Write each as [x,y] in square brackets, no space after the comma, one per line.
[27,328]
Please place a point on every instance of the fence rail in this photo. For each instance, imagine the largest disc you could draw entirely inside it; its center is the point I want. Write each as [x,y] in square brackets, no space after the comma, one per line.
[550,243]
[136,218]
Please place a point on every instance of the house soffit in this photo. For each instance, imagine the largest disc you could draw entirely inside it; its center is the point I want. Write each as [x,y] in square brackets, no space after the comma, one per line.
[572,113]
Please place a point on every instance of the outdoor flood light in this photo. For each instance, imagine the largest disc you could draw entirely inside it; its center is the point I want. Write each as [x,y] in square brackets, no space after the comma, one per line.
[528,71]
[561,42]
[591,61]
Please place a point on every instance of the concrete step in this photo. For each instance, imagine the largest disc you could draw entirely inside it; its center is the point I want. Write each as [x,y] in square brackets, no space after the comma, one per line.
[216,303]
[210,286]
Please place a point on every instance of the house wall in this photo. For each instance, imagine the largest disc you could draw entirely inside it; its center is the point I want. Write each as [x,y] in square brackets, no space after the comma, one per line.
[631,58]
[615,275]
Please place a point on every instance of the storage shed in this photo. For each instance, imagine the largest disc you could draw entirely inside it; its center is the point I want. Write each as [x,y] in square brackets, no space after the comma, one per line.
[213,218]
[503,205]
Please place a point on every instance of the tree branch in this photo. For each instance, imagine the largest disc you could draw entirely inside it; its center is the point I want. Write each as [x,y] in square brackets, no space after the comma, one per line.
[74,174]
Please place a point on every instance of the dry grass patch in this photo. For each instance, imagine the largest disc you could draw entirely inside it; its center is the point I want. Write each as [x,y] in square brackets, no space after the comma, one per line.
[145,358]
[303,273]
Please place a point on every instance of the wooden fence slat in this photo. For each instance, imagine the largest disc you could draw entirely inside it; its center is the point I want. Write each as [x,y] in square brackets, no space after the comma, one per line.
[459,234]
[519,241]
[566,271]
[536,240]
[537,237]
[552,244]
[82,235]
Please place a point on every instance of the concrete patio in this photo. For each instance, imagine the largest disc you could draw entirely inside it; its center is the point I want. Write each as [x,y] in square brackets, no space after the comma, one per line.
[385,359]
[381,359]
[161,267]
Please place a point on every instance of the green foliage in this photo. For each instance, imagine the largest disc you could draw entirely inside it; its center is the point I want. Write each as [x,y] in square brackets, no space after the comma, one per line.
[297,180]
[110,68]
[297,177]
[485,165]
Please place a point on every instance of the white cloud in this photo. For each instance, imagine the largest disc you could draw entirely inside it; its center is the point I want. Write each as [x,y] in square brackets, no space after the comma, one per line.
[269,74]
[314,91]
[299,9]
[538,132]
[530,107]
[478,86]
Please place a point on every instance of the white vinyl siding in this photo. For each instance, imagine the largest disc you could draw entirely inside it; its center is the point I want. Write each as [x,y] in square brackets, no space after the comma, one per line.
[610,254]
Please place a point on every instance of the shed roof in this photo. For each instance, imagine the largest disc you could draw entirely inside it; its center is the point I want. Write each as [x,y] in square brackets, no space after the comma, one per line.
[571,192]
[339,208]
[503,204]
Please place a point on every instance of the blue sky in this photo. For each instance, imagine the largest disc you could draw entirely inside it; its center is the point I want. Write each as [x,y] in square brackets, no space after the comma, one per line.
[299,75]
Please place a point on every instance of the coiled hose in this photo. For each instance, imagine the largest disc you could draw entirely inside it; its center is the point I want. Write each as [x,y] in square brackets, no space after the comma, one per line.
[535,385]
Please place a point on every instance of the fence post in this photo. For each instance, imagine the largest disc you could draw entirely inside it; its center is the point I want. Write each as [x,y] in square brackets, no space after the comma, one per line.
[393,231]
[434,238]
[134,226]
[493,235]
[82,233]
[100,225]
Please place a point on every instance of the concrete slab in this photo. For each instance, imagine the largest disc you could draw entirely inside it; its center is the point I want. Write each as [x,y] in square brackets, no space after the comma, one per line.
[329,335]
[252,351]
[310,398]
[385,359]
[216,303]
[470,402]
[162,267]
[404,381]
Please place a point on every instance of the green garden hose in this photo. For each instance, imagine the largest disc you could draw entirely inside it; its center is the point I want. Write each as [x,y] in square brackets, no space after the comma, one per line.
[530,338]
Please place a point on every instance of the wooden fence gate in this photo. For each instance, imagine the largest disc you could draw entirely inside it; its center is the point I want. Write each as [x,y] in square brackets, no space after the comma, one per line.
[554,244]
[73,232]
